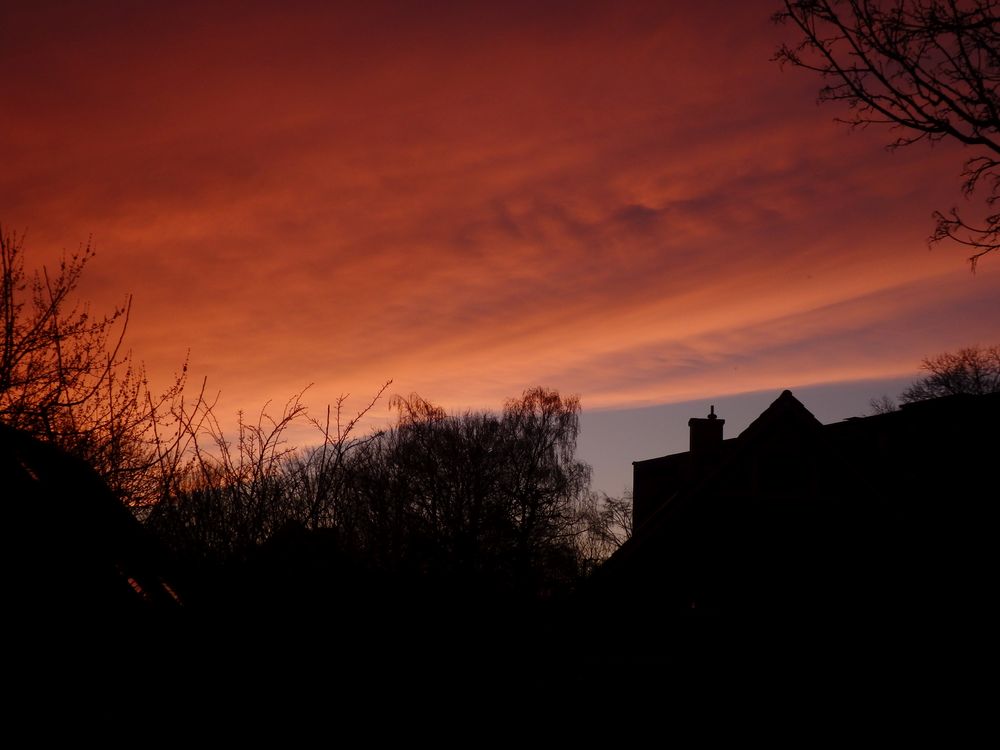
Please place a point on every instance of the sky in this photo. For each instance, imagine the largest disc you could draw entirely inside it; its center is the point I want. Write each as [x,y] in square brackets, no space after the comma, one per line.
[626,201]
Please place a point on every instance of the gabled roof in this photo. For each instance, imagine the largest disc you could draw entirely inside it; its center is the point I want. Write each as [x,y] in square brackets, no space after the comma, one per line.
[786,419]
[796,542]
[926,452]
[785,412]
[78,549]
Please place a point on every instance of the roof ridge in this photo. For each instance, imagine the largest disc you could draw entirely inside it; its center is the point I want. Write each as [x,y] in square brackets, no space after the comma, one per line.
[783,407]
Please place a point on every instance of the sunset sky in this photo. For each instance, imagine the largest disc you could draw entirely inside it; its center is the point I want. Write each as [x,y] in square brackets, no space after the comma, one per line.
[627,201]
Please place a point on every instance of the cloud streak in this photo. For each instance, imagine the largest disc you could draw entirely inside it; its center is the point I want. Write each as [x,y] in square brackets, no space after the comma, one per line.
[617,199]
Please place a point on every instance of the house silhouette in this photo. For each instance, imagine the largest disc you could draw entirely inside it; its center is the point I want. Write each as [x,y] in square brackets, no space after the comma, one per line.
[866,541]
[80,552]
[92,613]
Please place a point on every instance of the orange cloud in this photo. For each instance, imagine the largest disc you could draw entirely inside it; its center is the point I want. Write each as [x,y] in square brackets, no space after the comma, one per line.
[618,199]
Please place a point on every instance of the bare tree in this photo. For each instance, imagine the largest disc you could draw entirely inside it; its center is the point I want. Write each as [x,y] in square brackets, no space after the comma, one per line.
[66,378]
[55,355]
[484,500]
[882,405]
[929,69]
[605,525]
[481,497]
[973,370]
[223,493]
[317,477]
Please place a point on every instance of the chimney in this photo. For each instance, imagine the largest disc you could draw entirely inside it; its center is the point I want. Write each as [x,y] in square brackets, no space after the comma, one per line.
[706,434]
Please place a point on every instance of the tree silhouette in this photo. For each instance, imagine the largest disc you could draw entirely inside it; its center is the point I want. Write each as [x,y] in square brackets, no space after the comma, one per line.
[605,525]
[929,69]
[482,497]
[66,379]
[973,370]
[55,355]
[489,502]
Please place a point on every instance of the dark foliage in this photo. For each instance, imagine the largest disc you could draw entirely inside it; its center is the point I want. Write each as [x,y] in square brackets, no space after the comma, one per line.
[481,497]
[488,502]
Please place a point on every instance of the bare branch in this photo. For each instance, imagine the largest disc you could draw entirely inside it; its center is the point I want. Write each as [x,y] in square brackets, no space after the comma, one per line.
[930,69]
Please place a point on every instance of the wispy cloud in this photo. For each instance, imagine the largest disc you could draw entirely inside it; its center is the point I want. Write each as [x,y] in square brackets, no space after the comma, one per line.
[619,199]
